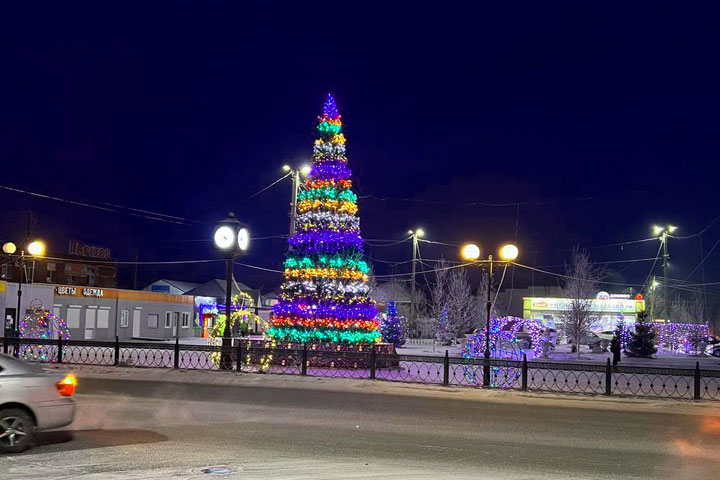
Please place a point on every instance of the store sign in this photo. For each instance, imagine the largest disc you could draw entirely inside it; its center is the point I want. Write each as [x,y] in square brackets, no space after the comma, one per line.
[89,251]
[611,305]
[86,291]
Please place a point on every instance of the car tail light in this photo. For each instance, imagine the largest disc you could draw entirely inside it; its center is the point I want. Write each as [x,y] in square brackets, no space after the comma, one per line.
[66,386]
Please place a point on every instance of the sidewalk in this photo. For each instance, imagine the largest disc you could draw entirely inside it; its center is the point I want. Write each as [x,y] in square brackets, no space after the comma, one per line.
[199,378]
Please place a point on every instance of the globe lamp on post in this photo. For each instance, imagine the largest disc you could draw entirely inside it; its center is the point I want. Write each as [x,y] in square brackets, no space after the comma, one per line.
[231,238]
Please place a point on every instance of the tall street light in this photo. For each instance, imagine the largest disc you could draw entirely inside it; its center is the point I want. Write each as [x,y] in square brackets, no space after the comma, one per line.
[662,233]
[36,248]
[415,234]
[231,239]
[295,173]
[471,252]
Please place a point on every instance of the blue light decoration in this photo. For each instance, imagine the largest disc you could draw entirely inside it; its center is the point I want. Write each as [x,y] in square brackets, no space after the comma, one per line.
[325,295]
[392,326]
[330,108]
[504,343]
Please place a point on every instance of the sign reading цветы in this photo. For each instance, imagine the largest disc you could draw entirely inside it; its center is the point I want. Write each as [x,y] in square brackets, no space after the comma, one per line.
[86,291]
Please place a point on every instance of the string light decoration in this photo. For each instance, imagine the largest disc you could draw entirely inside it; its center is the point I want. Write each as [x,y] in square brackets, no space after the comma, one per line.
[392,326]
[240,316]
[681,337]
[505,343]
[42,324]
[325,293]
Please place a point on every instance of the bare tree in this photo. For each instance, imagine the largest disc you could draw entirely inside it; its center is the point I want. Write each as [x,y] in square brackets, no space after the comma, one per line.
[579,289]
[461,305]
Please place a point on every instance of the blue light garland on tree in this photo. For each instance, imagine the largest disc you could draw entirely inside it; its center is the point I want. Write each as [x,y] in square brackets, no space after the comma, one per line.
[392,327]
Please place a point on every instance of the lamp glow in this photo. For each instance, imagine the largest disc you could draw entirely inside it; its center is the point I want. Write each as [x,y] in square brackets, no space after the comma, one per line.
[672,228]
[224,237]
[286,168]
[509,252]
[9,248]
[36,248]
[657,230]
[305,170]
[419,232]
[470,252]
[243,239]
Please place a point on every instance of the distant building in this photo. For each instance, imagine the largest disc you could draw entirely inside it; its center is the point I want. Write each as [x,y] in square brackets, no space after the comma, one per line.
[84,265]
[100,313]
[176,287]
[210,300]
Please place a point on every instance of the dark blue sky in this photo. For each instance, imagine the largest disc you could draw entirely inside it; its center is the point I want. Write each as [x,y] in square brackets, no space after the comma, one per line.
[600,120]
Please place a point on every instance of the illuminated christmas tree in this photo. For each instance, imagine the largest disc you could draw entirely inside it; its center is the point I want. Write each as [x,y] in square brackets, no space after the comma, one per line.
[325,293]
[392,328]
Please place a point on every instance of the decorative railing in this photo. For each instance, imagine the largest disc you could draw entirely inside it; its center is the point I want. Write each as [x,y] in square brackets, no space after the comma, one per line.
[247,356]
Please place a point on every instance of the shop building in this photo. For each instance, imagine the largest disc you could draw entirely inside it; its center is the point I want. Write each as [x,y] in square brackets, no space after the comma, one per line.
[94,313]
[608,308]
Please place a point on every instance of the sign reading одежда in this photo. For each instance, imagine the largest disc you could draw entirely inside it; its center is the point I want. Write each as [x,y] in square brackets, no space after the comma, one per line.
[86,291]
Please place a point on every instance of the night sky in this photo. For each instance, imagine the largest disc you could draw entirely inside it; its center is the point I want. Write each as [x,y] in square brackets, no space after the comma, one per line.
[599,121]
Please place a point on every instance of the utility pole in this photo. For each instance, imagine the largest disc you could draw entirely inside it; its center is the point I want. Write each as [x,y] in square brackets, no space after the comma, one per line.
[293,203]
[295,174]
[414,234]
[666,286]
[664,233]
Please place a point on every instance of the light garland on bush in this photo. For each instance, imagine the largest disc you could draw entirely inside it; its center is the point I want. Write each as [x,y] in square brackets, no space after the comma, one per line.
[324,296]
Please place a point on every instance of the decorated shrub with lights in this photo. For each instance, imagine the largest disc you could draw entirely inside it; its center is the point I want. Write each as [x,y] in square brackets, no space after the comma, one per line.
[44,325]
[325,293]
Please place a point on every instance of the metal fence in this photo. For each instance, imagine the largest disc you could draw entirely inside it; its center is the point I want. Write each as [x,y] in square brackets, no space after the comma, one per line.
[434,370]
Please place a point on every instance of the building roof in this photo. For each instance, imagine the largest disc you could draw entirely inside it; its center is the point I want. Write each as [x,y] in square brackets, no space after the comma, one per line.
[385,292]
[180,285]
[216,288]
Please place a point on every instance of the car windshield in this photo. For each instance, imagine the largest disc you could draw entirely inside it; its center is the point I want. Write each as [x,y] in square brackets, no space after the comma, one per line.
[15,364]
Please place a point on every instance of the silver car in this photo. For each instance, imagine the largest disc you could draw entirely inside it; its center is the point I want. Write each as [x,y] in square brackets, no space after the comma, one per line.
[31,399]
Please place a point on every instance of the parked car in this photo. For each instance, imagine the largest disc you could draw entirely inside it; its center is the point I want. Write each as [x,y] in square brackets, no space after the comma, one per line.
[713,347]
[31,400]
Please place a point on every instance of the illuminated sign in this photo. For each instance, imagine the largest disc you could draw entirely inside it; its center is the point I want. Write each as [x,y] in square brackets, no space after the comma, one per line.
[86,291]
[610,305]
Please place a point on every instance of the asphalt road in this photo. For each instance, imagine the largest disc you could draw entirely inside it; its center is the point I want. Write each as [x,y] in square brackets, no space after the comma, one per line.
[139,429]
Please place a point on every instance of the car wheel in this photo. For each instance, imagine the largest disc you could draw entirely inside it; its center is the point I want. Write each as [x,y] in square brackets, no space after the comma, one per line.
[716,352]
[17,430]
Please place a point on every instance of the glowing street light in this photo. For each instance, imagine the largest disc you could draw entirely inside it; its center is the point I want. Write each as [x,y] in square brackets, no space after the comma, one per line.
[509,252]
[36,248]
[9,248]
[471,252]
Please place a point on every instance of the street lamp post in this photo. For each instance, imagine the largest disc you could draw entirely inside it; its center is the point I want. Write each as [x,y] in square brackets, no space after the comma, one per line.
[295,173]
[471,252]
[35,248]
[415,234]
[232,239]
[662,233]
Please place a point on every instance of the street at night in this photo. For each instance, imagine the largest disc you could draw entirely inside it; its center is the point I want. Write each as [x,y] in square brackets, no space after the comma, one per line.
[342,240]
[285,427]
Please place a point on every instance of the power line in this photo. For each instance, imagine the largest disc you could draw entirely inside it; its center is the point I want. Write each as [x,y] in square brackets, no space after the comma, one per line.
[657,255]
[710,225]
[159,217]
[266,187]
[703,260]
[572,278]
